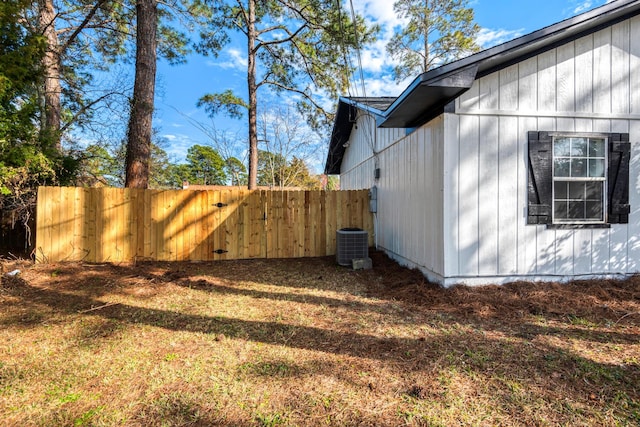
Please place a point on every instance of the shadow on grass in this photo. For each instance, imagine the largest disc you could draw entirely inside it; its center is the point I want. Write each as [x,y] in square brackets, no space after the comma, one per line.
[461,344]
[96,286]
[470,335]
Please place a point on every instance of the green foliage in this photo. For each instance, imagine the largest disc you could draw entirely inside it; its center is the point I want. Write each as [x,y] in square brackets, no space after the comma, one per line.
[225,101]
[333,182]
[437,32]
[101,166]
[204,166]
[20,74]
[26,159]
[276,172]
[162,171]
[236,171]
[300,176]
[299,48]
[271,169]
[173,44]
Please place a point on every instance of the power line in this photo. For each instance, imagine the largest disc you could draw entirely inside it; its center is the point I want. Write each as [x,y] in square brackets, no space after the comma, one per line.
[368,136]
[357,43]
[345,51]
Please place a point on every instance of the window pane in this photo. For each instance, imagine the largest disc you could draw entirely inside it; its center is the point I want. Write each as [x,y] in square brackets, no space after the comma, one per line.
[579,167]
[576,190]
[579,147]
[596,148]
[561,147]
[576,210]
[594,210]
[560,210]
[594,191]
[560,189]
[561,167]
[596,167]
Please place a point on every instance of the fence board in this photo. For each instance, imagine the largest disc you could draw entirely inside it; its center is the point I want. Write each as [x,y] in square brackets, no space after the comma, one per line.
[116,225]
[41,227]
[126,236]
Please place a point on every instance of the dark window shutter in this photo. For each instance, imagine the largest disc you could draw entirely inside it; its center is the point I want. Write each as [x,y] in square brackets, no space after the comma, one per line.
[540,178]
[618,178]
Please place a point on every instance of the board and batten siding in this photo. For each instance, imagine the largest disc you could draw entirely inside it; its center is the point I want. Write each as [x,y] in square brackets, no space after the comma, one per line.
[358,162]
[409,222]
[589,85]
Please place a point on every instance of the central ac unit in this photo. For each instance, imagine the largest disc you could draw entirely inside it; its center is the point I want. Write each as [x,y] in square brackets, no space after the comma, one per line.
[351,243]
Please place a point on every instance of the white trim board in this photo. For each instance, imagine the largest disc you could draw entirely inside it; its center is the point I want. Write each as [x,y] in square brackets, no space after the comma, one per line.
[538,113]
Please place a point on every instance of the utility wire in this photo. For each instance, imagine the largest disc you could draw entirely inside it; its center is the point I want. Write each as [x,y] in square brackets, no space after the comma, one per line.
[368,134]
[357,42]
[345,52]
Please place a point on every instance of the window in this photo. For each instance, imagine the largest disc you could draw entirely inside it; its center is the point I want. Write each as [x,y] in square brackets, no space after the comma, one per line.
[579,165]
[578,179]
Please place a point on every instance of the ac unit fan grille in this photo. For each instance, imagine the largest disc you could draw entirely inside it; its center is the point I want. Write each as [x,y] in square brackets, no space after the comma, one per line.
[352,243]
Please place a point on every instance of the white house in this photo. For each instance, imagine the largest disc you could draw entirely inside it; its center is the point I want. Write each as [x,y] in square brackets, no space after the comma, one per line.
[513,163]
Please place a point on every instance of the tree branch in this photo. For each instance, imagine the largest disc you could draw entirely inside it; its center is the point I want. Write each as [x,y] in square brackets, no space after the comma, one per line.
[84,110]
[291,37]
[307,66]
[294,90]
[299,12]
[82,25]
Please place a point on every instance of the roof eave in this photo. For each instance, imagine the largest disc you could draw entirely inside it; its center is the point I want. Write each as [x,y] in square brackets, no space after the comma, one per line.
[346,116]
[426,97]
[430,93]
[496,58]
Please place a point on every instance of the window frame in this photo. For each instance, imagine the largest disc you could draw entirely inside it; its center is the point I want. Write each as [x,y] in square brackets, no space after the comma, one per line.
[603,180]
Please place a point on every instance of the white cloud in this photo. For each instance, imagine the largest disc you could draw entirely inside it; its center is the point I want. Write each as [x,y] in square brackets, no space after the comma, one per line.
[375,57]
[582,7]
[238,57]
[379,11]
[234,59]
[376,62]
[177,145]
[487,37]
[384,85]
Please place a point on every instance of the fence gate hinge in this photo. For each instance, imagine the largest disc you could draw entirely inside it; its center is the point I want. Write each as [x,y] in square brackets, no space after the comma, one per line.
[220,251]
[220,204]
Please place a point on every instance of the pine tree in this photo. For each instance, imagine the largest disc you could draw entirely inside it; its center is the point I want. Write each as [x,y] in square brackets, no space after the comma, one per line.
[436,32]
[294,46]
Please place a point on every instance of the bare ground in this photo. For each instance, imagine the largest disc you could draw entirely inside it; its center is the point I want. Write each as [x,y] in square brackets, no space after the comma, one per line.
[305,342]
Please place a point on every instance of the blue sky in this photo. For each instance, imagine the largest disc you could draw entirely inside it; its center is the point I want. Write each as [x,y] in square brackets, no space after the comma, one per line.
[180,87]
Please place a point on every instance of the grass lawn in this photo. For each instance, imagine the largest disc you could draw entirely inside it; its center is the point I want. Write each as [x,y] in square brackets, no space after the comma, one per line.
[305,342]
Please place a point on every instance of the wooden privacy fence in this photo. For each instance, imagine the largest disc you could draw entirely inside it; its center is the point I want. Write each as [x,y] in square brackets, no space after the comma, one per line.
[121,224]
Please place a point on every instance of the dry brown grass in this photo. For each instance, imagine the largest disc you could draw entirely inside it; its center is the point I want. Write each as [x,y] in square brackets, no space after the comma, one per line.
[304,342]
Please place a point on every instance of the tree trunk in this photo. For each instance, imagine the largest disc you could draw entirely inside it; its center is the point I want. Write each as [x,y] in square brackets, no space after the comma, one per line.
[51,65]
[140,120]
[427,24]
[253,99]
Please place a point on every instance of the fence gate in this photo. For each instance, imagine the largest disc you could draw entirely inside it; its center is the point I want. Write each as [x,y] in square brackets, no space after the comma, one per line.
[115,224]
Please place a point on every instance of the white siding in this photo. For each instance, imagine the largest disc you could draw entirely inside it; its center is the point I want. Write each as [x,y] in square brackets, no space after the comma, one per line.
[453,194]
[358,163]
[410,189]
[589,85]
